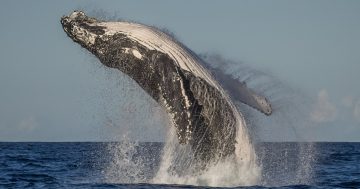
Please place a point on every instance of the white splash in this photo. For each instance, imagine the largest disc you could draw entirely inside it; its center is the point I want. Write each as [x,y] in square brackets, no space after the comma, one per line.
[123,167]
[240,169]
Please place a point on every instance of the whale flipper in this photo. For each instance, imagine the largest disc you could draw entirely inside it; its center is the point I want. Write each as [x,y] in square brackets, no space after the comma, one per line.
[240,92]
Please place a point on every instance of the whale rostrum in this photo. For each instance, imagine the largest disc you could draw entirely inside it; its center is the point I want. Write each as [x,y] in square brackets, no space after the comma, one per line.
[201,110]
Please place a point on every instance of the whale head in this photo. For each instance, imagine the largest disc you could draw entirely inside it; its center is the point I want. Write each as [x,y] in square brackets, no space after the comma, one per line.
[82,29]
[106,40]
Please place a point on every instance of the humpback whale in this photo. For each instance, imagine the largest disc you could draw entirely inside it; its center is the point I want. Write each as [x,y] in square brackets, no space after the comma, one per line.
[201,110]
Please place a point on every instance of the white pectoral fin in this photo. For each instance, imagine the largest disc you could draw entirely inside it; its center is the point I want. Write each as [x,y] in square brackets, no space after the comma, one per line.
[250,98]
[240,92]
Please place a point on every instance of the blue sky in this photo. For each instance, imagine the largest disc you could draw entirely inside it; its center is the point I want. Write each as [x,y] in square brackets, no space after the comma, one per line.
[52,90]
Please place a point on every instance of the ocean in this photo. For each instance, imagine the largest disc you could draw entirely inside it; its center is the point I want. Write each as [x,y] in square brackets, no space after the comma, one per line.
[111,165]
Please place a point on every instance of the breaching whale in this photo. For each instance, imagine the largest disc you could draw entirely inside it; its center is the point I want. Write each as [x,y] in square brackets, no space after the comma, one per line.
[201,110]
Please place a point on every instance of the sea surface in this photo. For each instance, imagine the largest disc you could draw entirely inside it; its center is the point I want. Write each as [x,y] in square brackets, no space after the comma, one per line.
[97,165]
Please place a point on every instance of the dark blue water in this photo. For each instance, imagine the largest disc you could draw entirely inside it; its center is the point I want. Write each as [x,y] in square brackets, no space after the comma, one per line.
[85,165]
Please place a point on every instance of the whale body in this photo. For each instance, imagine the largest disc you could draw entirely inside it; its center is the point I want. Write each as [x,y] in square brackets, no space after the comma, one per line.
[201,110]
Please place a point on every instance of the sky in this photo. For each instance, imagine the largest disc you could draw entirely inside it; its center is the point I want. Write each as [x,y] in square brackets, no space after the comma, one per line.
[52,90]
